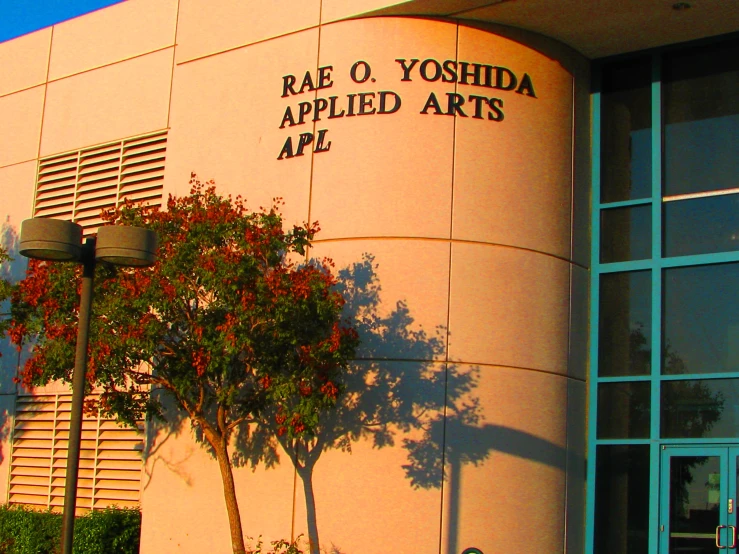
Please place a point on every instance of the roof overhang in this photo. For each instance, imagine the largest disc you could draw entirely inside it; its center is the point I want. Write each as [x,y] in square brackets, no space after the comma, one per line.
[595,28]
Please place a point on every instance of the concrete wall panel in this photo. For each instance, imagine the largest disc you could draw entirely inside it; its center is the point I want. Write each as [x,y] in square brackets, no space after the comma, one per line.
[182,497]
[107,36]
[506,470]
[21,114]
[366,501]
[403,283]
[18,205]
[513,177]
[24,61]
[386,174]
[508,307]
[206,27]
[227,128]
[110,103]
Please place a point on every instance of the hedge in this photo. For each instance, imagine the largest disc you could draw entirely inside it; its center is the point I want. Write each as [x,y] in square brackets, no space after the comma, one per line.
[109,531]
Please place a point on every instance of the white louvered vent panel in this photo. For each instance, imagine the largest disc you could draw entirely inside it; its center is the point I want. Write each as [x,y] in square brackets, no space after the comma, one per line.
[55,186]
[110,459]
[58,170]
[78,186]
[142,169]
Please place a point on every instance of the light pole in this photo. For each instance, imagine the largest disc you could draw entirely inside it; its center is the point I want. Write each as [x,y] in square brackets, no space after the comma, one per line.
[61,241]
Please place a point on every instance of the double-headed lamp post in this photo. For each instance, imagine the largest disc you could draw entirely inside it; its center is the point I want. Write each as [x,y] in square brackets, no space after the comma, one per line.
[61,241]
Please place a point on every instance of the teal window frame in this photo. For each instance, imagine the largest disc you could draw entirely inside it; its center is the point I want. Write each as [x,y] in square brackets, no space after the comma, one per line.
[656,264]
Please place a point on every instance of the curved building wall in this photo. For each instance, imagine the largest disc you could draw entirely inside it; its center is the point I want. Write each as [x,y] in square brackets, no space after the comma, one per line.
[463,198]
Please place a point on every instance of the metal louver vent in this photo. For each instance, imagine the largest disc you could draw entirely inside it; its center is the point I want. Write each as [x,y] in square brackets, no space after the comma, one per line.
[77,186]
[110,459]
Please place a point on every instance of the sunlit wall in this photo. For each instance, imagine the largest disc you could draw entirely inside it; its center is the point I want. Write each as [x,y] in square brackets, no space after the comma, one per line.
[440,160]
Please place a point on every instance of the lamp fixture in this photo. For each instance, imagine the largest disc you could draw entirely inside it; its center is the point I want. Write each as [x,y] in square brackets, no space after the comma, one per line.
[61,241]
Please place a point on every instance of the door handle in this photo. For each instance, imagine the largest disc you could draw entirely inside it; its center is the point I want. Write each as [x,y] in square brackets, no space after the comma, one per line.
[733,536]
[718,538]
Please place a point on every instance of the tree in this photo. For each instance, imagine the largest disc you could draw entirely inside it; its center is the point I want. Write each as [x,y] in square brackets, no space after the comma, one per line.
[226,323]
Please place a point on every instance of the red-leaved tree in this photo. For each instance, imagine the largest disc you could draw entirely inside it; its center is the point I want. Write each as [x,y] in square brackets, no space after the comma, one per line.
[232,322]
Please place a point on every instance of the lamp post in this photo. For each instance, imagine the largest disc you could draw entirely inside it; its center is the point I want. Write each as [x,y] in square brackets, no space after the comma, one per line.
[61,241]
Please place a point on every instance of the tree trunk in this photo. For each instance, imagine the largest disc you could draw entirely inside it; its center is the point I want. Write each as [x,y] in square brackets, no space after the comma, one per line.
[306,475]
[229,491]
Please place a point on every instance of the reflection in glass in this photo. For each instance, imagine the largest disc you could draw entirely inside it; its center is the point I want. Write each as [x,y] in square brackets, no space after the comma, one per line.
[625,324]
[701,119]
[621,499]
[701,319]
[702,225]
[626,234]
[700,408]
[695,487]
[626,121]
[623,410]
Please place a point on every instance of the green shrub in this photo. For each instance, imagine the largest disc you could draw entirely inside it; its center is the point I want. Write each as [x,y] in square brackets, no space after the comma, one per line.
[24,531]
[110,531]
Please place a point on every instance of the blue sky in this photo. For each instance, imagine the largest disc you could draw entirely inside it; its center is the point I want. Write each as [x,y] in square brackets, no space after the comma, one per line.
[19,17]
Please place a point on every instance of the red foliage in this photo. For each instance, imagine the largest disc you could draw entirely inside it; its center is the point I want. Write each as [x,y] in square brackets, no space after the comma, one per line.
[200,361]
[330,390]
[225,294]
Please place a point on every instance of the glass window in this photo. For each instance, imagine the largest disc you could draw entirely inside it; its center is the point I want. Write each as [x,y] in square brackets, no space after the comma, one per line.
[701,225]
[622,499]
[700,408]
[695,487]
[623,410]
[626,122]
[625,324]
[695,389]
[626,234]
[701,119]
[701,319]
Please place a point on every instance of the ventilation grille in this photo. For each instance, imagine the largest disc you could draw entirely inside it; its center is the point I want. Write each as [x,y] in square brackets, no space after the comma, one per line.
[110,457]
[76,186]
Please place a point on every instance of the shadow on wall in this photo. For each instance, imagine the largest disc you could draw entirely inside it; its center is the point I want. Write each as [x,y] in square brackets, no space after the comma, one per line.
[473,444]
[10,271]
[399,385]
[394,386]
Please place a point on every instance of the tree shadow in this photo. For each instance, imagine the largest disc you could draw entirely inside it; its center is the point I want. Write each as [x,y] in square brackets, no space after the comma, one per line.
[401,386]
[251,446]
[395,385]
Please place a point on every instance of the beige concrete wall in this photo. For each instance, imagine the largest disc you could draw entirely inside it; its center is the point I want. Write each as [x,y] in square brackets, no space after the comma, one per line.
[23,64]
[468,223]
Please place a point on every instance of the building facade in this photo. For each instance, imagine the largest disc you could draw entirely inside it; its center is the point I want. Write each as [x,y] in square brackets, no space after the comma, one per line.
[539,200]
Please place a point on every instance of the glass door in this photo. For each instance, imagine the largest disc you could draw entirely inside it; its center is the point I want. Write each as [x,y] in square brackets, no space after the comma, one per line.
[699,493]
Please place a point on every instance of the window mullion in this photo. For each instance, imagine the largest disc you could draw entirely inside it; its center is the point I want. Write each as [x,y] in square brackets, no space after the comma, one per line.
[656,347]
